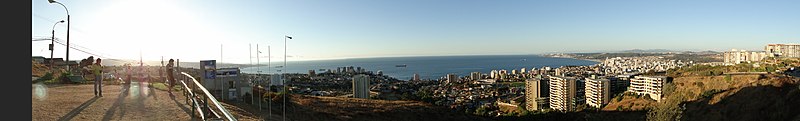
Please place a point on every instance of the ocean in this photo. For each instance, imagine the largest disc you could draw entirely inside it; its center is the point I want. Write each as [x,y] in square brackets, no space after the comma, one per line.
[428,67]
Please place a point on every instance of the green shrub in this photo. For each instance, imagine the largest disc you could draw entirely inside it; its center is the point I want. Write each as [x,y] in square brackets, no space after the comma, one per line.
[699,84]
[64,77]
[47,76]
[728,78]
[709,93]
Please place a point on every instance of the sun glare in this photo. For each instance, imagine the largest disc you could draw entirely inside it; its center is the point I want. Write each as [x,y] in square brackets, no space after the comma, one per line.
[152,26]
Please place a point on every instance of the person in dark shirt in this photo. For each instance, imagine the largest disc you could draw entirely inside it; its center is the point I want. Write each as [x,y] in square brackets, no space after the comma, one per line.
[170,75]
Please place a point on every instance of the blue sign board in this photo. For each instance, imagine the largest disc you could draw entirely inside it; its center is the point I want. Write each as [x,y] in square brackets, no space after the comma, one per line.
[209,68]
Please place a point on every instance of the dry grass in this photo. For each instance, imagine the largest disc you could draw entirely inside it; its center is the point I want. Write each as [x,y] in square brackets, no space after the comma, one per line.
[630,103]
[334,108]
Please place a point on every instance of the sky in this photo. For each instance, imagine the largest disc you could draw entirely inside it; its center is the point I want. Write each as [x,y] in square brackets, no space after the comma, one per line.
[325,29]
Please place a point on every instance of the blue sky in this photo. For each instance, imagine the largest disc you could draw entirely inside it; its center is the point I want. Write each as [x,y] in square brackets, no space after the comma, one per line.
[194,30]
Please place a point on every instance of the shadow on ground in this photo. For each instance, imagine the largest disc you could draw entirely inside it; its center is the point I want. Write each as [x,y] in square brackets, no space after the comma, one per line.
[77,110]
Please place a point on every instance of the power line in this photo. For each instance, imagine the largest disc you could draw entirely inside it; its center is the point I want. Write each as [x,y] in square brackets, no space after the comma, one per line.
[75,47]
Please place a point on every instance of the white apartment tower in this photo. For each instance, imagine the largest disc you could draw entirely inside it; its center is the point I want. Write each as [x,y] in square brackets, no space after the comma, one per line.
[783,50]
[563,93]
[648,85]
[361,86]
[597,91]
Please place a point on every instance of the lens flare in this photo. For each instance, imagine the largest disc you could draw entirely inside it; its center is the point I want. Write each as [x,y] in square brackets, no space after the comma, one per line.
[40,91]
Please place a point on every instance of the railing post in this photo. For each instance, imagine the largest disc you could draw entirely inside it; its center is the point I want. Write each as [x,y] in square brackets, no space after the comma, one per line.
[194,108]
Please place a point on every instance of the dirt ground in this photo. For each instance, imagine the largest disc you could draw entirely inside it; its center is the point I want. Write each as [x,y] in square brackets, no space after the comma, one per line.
[77,102]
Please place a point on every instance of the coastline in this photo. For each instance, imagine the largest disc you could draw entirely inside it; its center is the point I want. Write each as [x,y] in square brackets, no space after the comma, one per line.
[593,60]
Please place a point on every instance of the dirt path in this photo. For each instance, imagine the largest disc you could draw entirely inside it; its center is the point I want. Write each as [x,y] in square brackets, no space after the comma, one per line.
[77,102]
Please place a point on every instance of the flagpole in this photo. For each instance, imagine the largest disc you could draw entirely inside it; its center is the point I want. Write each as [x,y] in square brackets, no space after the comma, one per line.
[269,70]
[258,70]
[222,80]
[285,90]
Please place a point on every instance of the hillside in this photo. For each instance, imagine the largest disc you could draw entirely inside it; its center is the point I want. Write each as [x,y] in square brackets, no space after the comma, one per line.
[770,98]
[314,108]
[38,69]
[706,93]
[629,103]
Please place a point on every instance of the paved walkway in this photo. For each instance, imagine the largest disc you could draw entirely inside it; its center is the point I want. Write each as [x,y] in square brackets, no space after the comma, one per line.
[77,102]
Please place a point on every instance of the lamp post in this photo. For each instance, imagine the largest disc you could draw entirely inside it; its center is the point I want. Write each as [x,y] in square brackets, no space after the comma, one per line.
[284,80]
[52,42]
[68,23]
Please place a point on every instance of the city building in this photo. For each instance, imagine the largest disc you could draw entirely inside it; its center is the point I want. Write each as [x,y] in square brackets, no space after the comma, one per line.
[416,77]
[276,80]
[494,74]
[620,83]
[361,86]
[648,85]
[38,59]
[597,91]
[475,75]
[783,50]
[312,73]
[502,74]
[536,94]
[558,72]
[452,78]
[564,93]
[739,56]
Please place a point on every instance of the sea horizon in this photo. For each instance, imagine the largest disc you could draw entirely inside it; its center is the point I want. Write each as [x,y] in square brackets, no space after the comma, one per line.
[428,67]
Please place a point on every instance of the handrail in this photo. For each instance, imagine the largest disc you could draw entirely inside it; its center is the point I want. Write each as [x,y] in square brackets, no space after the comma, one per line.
[213,100]
[190,95]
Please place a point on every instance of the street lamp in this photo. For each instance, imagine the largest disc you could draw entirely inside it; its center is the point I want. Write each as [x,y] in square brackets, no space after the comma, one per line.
[65,8]
[52,41]
[284,80]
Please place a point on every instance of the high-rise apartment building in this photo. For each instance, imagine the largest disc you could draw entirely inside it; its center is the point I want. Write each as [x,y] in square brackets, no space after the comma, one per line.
[740,56]
[783,50]
[452,78]
[475,75]
[565,93]
[537,94]
[598,91]
[361,86]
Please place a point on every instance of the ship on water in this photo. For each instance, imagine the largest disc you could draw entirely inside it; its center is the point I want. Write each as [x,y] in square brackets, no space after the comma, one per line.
[401,65]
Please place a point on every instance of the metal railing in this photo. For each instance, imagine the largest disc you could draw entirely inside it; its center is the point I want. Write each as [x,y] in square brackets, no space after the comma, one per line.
[199,100]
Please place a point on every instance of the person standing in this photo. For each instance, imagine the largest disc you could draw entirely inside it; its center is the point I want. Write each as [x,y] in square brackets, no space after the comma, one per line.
[97,70]
[170,75]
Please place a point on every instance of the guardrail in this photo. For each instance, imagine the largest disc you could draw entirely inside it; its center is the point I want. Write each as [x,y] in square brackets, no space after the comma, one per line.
[200,100]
